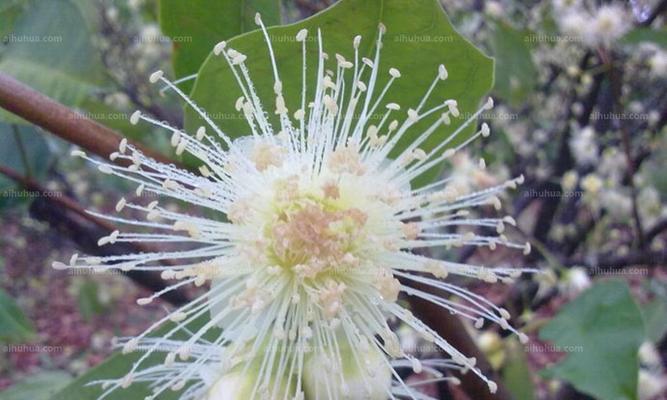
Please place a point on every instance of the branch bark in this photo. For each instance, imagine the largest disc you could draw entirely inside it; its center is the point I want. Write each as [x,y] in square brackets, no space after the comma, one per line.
[62,121]
[64,214]
[614,262]
[450,328]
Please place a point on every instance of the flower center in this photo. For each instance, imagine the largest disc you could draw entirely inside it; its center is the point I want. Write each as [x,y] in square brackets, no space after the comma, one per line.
[311,234]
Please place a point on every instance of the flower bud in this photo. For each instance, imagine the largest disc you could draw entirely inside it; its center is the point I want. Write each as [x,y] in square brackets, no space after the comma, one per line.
[366,374]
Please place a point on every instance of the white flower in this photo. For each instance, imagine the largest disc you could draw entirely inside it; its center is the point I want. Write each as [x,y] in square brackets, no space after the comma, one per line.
[651,385]
[658,63]
[602,26]
[650,356]
[583,146]
[592,184]
[616,202]
[569,180]
[610,22]
[565,5]
[494,9]
[573,22]
[575,281]
[315,227]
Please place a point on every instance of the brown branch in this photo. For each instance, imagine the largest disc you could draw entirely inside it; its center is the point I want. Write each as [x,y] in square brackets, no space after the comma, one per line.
[66,214]
[61,201]
[60,120]
[656,230]
[614,262]
[659,9]
[615,77]
[450,328]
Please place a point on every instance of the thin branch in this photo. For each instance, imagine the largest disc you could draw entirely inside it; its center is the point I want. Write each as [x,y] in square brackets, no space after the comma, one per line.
[656,230]
[60,120]
[450,328]
[64,213]
[616,262]
[659,9]
[615,78]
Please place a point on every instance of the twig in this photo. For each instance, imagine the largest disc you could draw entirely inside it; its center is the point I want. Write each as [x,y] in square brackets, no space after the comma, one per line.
[656,230]
[659,9]
[73,127]
[637,258]
[60,212]
[616,82]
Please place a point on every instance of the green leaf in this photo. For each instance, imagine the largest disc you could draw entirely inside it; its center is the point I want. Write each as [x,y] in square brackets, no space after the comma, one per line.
[516,74]
[639,35]
[655,319]
[9,12]
[14,325]
[604,329]
[115,366]
[516,373]
[37,387]
[118,365]
[419,38]
[50,50]
[195,26]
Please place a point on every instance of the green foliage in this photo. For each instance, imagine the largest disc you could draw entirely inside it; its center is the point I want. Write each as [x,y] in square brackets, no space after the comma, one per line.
[603,329]
[50,49]
[516,373]
[9,12]
[516,74]
[419,38]
[655,319]
[113,367]
[195,26]
[37,387]
[639,35]
[118,365]
[14,325]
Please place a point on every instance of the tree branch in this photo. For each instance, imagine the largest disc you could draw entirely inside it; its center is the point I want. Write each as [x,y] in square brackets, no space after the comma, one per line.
[615,262]
[73,127]
[65,214]
[450,328]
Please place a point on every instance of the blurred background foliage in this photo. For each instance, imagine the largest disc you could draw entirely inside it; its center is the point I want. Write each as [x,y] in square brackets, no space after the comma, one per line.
[581,94]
